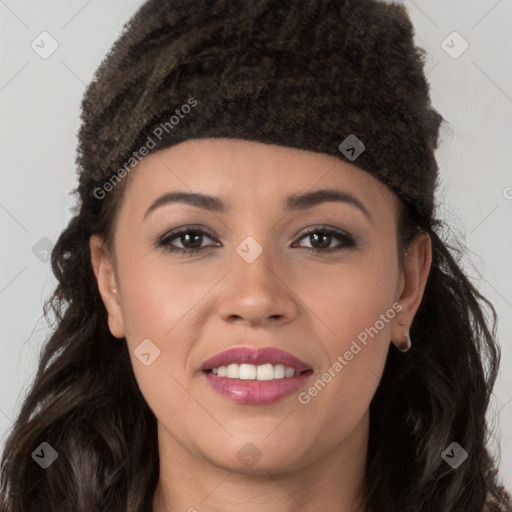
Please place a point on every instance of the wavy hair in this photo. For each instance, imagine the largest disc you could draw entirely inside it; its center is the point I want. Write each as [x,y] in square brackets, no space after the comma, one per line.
[85,401]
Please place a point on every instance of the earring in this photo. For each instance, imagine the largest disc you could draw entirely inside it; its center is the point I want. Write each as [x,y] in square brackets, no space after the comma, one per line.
[408,344]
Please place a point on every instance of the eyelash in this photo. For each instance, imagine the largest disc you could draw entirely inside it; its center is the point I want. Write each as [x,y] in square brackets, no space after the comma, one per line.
[348,241]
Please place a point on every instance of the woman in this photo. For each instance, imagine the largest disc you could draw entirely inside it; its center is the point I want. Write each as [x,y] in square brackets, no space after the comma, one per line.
[255,309]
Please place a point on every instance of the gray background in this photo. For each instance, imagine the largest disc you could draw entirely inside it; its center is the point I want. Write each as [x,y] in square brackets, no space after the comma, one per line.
[39,118]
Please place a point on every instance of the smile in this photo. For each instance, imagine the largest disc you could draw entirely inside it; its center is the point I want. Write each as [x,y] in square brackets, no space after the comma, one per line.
[252,372]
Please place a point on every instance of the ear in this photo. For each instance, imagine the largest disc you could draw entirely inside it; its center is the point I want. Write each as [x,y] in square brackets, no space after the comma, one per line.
[412,284]
[107,285]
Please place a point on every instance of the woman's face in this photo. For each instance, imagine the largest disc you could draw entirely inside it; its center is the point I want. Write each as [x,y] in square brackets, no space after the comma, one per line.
[256,283]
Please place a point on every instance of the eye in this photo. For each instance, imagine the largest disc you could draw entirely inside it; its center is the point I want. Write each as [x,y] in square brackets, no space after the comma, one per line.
[322,237]
[190,238]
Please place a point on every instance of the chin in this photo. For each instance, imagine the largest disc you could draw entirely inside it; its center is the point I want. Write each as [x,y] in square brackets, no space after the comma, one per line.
[251,457]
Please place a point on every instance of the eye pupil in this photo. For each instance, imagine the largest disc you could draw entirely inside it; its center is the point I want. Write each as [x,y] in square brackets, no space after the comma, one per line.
[197,241]
[315,237]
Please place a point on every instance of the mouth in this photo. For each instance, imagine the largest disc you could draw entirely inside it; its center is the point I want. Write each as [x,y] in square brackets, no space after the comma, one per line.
[255,376]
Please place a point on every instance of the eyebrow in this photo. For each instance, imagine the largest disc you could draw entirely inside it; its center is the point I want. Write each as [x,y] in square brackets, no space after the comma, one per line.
[295,202]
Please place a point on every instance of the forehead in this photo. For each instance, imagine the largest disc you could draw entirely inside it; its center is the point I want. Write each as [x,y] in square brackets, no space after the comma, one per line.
[247,174]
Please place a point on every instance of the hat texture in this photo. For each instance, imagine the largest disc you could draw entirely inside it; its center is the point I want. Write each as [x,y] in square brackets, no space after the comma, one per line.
[337,77]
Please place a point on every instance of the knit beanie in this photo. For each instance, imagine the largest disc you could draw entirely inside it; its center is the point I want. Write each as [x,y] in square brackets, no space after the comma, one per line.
[341,77]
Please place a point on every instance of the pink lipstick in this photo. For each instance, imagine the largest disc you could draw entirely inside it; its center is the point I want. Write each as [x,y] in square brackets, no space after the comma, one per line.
[255,376]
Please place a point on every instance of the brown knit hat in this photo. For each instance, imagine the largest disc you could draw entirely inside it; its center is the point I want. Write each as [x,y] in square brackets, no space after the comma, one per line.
[341,77]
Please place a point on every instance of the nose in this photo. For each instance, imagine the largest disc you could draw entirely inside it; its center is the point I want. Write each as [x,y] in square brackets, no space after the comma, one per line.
[259,292]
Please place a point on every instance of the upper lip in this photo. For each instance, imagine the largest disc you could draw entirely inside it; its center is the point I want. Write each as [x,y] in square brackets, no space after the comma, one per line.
[255,356]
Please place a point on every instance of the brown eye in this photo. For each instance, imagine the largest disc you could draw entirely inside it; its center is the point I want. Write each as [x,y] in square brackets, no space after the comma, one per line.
[322,237]
[190,239]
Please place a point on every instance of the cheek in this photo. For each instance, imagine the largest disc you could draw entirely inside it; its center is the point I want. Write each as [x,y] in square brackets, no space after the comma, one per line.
[352,305]
[156,295]
[349,297]
[156,305]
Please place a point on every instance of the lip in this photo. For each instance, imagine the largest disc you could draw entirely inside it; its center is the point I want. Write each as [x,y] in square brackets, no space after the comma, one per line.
[255,356]
[256,392]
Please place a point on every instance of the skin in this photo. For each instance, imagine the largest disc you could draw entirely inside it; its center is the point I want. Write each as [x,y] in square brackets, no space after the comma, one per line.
[312,456]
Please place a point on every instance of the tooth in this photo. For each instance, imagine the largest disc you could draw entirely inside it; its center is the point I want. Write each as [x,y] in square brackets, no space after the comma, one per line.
[289,372]
[265,372]
[279,371]
[247,372]
[233,371]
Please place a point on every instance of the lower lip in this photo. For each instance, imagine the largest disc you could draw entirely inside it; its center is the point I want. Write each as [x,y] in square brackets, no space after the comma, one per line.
[254,392]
